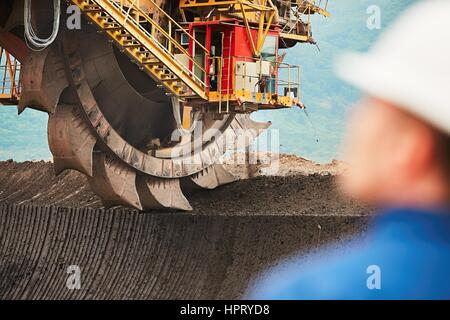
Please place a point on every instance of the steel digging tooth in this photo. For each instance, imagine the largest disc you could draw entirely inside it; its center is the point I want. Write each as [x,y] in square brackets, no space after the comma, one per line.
[114,182]
[212,177]
[71,140]
[162,193]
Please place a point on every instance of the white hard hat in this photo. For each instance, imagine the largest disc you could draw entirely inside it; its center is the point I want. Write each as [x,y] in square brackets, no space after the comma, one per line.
[410,64]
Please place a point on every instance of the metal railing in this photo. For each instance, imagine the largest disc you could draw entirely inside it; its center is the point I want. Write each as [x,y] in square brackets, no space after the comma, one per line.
[283,78]
[128,6]
[9,76]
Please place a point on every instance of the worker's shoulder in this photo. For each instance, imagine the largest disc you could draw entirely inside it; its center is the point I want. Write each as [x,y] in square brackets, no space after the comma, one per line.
[323,274]
[378,266]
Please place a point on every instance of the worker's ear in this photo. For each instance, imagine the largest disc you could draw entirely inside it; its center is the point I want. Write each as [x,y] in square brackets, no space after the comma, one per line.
[419,151]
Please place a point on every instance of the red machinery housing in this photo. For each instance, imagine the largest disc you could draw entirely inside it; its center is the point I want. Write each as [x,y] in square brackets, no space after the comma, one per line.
[237,80]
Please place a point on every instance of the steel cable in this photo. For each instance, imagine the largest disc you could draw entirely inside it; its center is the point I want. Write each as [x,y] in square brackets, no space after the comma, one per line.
[31,37]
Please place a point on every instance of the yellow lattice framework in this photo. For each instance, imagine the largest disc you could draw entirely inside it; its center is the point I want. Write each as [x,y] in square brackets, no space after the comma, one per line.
[9,78]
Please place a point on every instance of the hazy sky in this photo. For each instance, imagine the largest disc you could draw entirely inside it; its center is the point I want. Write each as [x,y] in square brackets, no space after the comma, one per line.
[328,99]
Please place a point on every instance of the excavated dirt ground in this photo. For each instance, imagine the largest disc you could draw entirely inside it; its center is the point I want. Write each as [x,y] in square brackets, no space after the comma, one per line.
[300,187]
[49,223]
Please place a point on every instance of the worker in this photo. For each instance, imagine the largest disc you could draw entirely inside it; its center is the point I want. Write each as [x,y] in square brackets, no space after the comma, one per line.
[398,148]
[212,71]
[262,83]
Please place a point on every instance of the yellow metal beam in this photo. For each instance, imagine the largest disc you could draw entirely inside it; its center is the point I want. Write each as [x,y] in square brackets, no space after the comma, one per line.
[186,4]
[249,31]
[264,32]
[296,37]
[187,117]
[261,22]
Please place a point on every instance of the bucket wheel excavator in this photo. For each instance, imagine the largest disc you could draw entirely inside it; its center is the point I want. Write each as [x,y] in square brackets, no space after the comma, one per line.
[145,97]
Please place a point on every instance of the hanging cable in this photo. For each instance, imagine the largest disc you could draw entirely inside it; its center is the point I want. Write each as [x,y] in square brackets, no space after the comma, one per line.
[302,106]
[34,42]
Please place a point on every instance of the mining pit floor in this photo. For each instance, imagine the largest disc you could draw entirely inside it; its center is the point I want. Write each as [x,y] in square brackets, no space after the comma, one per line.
[217,251]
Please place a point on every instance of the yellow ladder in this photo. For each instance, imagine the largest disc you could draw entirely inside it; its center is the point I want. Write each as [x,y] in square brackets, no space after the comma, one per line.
[124,22]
